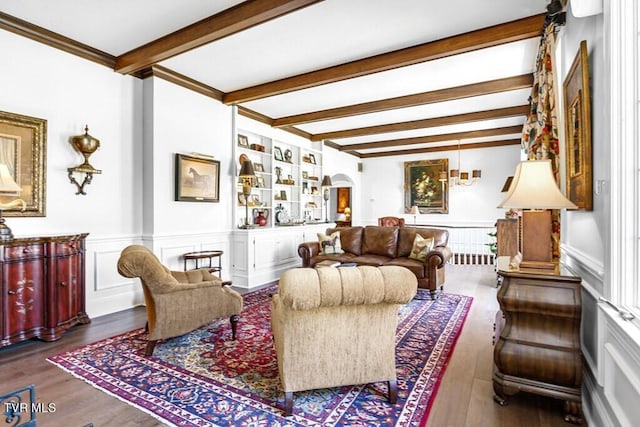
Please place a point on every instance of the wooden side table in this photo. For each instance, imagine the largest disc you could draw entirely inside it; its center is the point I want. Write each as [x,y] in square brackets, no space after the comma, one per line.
[537,346]
[204,255]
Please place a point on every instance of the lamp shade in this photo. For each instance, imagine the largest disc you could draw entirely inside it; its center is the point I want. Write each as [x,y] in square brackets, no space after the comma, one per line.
[414,210]
[534,187]
[7,183]
[246,171]
[326,181]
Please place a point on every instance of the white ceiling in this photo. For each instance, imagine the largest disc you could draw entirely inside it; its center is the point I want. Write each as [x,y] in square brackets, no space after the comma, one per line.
[324,34]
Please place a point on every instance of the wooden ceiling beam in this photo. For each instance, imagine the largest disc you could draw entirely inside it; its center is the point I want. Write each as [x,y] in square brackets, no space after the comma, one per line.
[442,95]
[513,31]
[442,148]
[508,130]
[498,113]
[230,21]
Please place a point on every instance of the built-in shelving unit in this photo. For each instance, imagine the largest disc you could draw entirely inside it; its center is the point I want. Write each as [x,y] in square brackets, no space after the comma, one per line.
[287,190]
[287,185]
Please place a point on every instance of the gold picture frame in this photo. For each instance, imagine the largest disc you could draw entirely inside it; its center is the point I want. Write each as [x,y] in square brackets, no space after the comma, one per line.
[577,117]
[422,186]
[197,179]
[23,141]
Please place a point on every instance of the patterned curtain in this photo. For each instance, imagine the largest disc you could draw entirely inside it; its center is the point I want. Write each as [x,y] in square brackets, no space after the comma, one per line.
[540,132]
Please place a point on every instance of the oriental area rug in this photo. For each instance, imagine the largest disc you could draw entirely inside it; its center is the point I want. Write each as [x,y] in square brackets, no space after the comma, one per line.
[206,379]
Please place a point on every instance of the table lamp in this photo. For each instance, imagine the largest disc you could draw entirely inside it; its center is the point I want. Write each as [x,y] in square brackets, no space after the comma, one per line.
[534,189]
[414,211]
[326,183]
[247,175]
[347,213]
[8,187]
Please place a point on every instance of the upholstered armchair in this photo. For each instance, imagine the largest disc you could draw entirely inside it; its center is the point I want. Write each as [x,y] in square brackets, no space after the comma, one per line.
[178,301]
[390,221]
[337,326]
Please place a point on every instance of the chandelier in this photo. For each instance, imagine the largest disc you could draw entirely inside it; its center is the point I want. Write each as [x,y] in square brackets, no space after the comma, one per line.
[456,177]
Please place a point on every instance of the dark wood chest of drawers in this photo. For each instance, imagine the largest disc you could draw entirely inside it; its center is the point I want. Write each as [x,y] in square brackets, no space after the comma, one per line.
[537,347]
[43,287]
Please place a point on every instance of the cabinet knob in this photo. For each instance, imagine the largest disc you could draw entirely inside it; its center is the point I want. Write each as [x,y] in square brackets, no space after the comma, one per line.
[12,292]
[63,284]
[25,251]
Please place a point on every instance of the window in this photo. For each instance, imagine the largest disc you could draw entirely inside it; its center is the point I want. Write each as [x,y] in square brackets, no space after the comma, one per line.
[625,155]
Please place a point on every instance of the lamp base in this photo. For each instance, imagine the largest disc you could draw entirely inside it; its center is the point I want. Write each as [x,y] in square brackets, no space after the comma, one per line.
[6,235]
[536,241]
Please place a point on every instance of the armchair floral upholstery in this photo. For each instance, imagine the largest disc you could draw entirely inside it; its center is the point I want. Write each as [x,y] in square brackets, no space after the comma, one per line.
[178,301]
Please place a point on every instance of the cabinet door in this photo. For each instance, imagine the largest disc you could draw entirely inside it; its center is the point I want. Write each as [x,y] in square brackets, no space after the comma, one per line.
[67,295]
[24,298]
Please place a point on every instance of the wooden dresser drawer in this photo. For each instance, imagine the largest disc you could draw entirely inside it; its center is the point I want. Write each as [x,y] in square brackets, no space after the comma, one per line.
[23,252]
[67,248]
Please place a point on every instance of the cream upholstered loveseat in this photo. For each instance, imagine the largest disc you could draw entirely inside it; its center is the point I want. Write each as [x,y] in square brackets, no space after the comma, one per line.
[178,301]
[337,326]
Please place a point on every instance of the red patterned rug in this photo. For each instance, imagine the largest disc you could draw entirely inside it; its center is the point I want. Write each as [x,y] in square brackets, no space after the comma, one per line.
[205,379]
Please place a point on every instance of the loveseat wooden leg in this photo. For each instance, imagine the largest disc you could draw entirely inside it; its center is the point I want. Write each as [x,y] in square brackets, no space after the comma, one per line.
[234,325]
[151,344]
[393,392]
[288,403]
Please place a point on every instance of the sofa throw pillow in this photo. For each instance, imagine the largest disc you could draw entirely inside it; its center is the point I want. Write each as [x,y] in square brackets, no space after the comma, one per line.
[330,244]
[421,247]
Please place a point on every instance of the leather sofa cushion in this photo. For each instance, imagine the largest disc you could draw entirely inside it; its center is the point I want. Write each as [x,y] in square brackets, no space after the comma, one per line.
[368,259]
[416,267]
[350,238]
[345,257]
[406,235]
[380,241]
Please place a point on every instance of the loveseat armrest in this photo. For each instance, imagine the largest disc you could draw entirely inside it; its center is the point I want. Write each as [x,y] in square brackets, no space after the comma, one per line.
[308,250]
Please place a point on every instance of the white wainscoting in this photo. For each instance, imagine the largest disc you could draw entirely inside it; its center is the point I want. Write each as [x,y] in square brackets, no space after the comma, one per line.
[611,349]
[108,292]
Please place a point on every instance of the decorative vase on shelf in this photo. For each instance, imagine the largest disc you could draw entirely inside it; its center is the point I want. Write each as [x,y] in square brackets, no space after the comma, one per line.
[260,217]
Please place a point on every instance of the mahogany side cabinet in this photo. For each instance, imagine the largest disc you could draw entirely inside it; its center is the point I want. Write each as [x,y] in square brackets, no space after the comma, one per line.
[537,342]
[43,287]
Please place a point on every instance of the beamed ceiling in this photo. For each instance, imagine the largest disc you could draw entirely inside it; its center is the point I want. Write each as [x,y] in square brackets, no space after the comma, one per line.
[369,77]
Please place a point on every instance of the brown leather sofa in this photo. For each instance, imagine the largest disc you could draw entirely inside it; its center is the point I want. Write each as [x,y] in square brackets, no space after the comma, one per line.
[376,246]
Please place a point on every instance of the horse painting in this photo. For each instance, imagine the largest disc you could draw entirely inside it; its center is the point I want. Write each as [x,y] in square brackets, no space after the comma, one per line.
[201,181]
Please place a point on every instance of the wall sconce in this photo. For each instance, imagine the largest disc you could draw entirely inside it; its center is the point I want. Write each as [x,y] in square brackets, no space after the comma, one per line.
[8,187]
[85,145]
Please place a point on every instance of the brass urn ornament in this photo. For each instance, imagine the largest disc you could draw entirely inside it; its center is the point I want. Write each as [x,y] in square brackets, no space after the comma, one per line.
[85,145]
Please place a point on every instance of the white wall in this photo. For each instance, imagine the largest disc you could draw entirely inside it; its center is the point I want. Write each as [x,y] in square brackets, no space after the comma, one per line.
[70,92]
[383,186]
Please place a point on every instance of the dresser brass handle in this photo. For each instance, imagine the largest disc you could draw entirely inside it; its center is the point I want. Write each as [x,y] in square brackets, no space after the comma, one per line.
[12,292]
[63,284]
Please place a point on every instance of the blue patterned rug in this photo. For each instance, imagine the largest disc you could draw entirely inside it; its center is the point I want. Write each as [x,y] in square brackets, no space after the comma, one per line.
[205,379]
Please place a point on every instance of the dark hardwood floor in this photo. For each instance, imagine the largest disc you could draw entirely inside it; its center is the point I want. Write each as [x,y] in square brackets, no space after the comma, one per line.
[465,396]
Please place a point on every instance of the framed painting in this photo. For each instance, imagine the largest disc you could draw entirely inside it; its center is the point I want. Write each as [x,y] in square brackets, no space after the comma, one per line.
[197,179]
[243,141]
[422,187]
[577,117]
[277,154]
[23,142]
[343,195]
